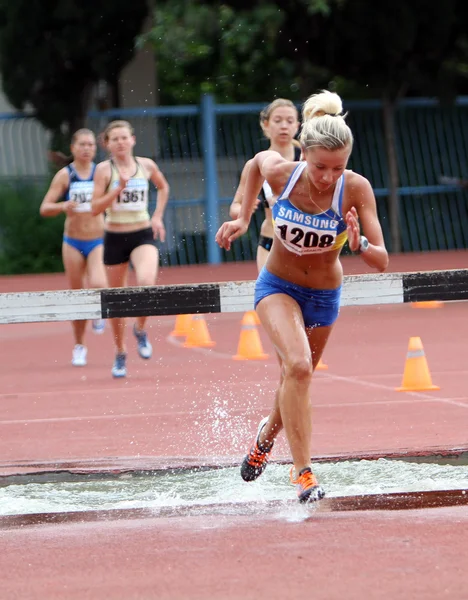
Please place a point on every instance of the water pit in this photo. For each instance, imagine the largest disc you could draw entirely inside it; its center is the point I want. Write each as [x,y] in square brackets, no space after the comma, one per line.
[349,485]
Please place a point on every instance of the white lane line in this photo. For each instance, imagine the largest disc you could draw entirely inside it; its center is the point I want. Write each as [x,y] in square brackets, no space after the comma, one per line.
[249,410]
[419,395]
[356,380]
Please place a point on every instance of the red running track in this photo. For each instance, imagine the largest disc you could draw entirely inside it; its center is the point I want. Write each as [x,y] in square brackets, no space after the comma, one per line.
[192,406]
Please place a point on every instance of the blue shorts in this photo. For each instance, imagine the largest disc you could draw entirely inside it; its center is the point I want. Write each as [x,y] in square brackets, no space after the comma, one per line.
[319,308]
[85,247]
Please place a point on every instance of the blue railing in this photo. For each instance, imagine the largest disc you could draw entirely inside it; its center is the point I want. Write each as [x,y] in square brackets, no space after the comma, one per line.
[202,149]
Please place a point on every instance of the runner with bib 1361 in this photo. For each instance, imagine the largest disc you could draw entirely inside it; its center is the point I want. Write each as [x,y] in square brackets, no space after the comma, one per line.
[121,189]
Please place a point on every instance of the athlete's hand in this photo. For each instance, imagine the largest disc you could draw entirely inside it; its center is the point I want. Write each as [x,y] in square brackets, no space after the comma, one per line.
[230,231]
[159,231]
[122,183]
[354,232]
[69,206]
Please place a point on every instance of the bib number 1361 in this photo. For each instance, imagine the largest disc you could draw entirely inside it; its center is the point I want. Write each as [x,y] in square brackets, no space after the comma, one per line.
[306,239]
[131,196]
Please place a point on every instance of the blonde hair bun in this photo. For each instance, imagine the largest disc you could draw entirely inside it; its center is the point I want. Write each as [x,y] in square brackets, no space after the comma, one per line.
[323,103]
[324,124]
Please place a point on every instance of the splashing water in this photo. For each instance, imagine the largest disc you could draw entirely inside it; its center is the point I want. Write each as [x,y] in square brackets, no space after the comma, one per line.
[225,487]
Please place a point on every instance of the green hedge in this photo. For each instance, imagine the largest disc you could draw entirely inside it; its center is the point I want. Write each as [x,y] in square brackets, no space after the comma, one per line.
[29,243]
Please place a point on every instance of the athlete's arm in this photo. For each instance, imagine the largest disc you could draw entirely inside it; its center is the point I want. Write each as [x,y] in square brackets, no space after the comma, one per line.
[269,165]
[234,209]
[162,198]
[364,210]
[50,205]
[102,199]
[264,165]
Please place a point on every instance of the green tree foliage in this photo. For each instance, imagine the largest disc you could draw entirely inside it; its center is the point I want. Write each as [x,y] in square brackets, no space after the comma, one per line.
[228,49]
[364,48]
[233,49]
[28,242]
[52,53]
[391,49]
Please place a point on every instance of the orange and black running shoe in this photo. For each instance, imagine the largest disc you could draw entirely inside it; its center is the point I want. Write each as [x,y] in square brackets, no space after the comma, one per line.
[307,486]
[256,460]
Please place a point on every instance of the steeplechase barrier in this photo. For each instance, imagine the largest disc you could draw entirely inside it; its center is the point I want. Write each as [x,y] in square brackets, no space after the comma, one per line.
[236,296]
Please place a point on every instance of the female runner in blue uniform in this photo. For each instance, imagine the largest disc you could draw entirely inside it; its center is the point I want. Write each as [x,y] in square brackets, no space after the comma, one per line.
[82,247]
[121,190]
[279,122]
[297,297]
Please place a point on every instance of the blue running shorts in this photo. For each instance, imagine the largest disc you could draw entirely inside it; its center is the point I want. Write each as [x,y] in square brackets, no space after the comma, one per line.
[319,308]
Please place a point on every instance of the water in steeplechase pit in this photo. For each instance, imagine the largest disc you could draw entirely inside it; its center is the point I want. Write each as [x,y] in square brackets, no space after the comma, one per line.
[163,492]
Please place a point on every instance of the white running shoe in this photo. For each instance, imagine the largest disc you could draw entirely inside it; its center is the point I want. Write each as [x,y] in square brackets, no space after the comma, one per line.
[79,356]
[145,350]
[119,368]
[99,326]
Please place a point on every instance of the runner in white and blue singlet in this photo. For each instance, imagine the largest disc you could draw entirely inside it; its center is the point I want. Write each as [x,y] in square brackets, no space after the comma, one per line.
[297,295]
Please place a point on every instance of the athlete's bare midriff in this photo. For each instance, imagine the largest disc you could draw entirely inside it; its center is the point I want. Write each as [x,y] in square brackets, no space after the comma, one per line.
[318,271]
[84,226]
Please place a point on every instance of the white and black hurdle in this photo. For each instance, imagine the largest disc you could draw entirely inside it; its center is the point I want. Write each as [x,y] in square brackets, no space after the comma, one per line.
[236,296]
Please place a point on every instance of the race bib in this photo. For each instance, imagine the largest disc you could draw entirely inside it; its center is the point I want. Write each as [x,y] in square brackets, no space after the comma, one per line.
[305,234]
[81,192]
[134,197]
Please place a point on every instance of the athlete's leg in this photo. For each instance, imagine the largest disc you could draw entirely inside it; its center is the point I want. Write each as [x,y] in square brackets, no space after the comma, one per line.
[97,279]
[300,352]
[75,266]
[145,261]
[96,271]
[117,277]
[274,424]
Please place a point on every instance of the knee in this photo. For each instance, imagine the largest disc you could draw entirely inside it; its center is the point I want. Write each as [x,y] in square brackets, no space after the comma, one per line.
[146,280]
[299,369]
[97,283]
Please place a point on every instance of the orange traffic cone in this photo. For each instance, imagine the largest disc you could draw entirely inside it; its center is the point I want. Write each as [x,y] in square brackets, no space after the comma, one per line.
[182,326]
[250,346]
[416,377]
[251,314]
[321,366]
[198,335]
[427,304]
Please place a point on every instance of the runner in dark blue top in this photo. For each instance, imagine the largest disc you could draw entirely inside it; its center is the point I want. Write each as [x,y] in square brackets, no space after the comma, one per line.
[70,192]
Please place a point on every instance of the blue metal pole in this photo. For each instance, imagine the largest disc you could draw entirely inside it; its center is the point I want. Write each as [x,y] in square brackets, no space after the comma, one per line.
[211,180]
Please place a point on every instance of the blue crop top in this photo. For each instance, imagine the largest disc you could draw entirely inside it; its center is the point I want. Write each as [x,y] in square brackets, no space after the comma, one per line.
[304,233]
